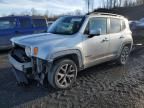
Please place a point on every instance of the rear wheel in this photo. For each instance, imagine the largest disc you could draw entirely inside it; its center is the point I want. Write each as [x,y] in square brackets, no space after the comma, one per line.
[122,60]
[63,74]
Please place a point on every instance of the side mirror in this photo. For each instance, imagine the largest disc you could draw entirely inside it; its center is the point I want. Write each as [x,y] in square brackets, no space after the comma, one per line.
[93,33]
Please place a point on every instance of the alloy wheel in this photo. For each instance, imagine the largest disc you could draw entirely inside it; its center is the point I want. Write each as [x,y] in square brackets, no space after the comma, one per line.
[66,75]
[124,55]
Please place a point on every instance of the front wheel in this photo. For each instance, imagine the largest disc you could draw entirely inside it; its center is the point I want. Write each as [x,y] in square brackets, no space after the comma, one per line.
[122,60]
[63,74]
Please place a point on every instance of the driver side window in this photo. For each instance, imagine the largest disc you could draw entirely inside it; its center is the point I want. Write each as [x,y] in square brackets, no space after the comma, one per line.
[96,24]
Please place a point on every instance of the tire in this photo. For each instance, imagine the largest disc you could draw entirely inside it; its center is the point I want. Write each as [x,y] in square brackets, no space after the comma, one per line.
[122,60]
[63,74]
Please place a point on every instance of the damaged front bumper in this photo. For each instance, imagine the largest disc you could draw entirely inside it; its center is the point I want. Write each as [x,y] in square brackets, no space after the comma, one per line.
[19,66]
[19,69]
[36,69]
[28,67]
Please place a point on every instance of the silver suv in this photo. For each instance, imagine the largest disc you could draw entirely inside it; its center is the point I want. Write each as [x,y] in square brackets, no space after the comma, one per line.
[73,43]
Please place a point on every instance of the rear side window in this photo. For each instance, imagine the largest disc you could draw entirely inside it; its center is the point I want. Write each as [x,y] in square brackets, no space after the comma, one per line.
[123,25]
[7,24]
[25,23]
[115,25]
[39,23]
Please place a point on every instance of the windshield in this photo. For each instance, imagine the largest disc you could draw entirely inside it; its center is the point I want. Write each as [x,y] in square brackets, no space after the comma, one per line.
[7,24]
[67,25]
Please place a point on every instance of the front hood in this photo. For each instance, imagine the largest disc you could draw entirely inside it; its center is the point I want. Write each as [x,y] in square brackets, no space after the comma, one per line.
[48,43]
[39,39]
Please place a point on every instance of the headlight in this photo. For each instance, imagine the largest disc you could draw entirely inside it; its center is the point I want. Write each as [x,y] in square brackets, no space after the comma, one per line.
[28,51]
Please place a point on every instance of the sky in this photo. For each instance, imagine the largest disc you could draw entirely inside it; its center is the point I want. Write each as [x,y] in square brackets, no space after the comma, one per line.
[54,7]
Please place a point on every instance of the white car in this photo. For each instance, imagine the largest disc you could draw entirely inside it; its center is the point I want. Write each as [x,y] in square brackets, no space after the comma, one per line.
[74,43]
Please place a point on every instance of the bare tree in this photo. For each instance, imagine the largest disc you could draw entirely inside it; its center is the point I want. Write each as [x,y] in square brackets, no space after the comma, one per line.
[140,2]
[13,14]
[109,4]
[89,5]
[25,13]
[78,12]
[46,13]
[92,5]
[120,3]
[33,12]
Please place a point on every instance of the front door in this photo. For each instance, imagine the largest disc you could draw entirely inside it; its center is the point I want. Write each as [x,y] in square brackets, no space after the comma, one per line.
[96,47]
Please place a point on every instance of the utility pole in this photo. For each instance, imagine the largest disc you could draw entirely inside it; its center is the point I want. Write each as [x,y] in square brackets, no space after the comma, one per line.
[88,5]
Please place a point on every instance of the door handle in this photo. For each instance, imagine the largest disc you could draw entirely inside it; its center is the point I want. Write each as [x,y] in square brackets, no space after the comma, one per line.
[105,40]
[121,37]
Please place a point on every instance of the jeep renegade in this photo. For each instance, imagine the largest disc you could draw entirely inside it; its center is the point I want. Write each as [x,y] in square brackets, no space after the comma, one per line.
[73,43]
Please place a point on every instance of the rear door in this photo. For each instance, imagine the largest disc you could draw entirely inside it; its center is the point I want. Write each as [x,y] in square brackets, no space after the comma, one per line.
[25,26]
[7,31]
[116,34]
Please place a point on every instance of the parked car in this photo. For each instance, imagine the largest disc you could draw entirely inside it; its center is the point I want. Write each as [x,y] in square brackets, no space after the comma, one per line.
[137,28]
[12,26]
[73,43]
[140,24]
[132,24]
[137,25]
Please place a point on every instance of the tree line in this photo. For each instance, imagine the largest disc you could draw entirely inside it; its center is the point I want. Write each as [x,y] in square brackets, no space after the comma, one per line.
[109,4]
[89,6]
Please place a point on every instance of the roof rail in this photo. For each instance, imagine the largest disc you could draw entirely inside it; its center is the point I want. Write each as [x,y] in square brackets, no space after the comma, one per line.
[102,13]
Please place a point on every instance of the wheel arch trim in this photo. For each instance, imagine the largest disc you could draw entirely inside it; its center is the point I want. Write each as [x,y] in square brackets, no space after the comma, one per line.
[61,54]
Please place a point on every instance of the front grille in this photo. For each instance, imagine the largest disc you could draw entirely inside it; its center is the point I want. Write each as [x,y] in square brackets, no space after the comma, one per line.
[19,54]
